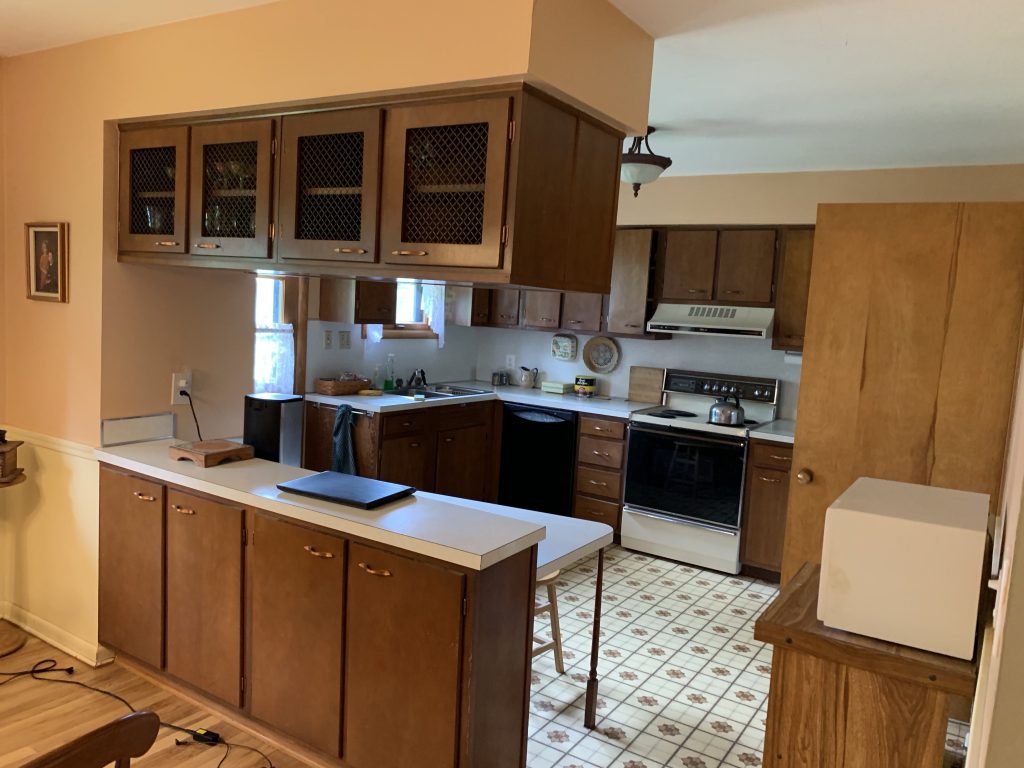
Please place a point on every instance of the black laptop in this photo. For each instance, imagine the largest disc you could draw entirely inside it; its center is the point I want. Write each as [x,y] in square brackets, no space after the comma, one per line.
[355,491]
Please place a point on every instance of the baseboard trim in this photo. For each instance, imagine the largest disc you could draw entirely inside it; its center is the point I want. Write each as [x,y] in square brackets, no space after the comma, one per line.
[92,654]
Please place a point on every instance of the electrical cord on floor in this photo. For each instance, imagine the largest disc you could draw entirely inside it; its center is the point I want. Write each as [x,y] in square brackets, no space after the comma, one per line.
[50,666]
[186,393]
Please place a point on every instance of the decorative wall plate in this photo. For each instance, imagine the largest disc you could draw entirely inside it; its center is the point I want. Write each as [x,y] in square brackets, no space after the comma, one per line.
[601,354]
[563,346]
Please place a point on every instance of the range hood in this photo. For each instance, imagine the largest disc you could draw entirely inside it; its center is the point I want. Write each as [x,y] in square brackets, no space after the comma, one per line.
[712,320]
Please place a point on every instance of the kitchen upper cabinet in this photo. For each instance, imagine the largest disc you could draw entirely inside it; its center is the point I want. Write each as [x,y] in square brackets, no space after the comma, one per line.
[687,266]
[329,186]
[632,280]
[766,492]
[131,565]
[153,190]
[480,312]
[297,615]
[376,302]
[581,312]
[231,189]
[403,616]
[793,284]
[505,307]
[443,190]
[205,540]
[746,266]
[462,466]
[540,309]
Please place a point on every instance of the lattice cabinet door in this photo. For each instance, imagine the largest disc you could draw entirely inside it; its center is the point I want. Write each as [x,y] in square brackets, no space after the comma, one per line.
[330,182]
[444,181]
[230,190]
[152,205]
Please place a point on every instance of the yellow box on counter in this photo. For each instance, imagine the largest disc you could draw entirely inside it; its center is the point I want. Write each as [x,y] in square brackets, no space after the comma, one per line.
[556,387]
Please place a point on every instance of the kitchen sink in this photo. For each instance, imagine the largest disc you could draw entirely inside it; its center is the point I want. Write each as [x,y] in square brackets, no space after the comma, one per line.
[428,394]
[457,391]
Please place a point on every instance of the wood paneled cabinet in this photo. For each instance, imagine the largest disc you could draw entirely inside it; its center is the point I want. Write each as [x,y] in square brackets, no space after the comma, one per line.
[581,312]
[505,308]
[600,462]
[632,291]
[728,266]
[461,464]
[687,268]
[794,279]
[153,190]
[766,493]
[376,302]
[329,186]
[480,310]
[318,435]
[540,309]
[408,460]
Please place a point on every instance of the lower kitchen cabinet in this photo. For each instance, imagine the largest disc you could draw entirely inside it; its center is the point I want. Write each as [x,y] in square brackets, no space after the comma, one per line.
[318,437]
[599,464]
[764,506]
[461,467]
[297,595]
[131,565]
[403,616]
[407,459]
[204,594]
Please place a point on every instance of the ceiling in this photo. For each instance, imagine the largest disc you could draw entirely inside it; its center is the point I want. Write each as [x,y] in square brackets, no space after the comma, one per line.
[747,86]
[34,25]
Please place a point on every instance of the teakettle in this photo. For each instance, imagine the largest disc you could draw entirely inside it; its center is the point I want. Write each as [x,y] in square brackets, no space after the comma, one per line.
[527,377]
[725,413]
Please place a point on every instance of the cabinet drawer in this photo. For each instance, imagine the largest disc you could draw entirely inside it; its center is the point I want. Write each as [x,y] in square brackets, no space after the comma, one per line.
[604,453]
[602,427]
[464,415]
[606,512]
[407,421]
[772,455]
[598,482]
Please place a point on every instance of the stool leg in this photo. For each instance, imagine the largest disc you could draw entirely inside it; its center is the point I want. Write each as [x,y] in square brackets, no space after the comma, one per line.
[556,630]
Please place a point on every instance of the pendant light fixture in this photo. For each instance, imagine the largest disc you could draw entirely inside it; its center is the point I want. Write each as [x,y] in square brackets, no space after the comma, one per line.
[639,167]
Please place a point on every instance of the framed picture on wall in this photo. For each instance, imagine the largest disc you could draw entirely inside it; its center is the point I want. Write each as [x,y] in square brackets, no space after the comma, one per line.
[46,252]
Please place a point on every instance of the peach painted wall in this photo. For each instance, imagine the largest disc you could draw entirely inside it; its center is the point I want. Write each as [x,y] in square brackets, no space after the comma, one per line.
[4,305]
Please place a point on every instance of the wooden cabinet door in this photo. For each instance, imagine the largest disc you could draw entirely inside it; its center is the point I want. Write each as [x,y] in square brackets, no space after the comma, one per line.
[317,436]
[687,269]
[152,214]
[230,189]
[403,616]
[746,266]
[409,460]
[764,518]
[443,194]
[631,274]
[540,309]
[480,313]
[204,594]
[902,299]
[131,566]
[298,585]
[582,311]
[375,302]
[463,462]
[505,307]
[791,296]
[330,185]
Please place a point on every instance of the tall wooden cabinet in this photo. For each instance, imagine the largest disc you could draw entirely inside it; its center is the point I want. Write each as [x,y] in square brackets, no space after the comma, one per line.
[794,277]
[153,190]
[633,271]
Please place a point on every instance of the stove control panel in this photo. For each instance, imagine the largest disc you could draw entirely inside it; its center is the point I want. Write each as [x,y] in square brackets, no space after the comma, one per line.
[715,385]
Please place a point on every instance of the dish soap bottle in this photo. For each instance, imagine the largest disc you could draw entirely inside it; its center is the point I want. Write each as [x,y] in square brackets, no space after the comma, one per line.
[389,377]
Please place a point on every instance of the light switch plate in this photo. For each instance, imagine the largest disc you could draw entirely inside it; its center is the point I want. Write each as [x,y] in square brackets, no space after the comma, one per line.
[344,339]
[328,336]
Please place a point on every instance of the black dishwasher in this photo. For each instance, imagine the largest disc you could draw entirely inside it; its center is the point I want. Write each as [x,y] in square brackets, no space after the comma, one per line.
[538,454]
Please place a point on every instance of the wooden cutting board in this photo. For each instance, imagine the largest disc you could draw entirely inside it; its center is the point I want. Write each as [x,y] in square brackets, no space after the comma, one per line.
[210,453]
[646,384]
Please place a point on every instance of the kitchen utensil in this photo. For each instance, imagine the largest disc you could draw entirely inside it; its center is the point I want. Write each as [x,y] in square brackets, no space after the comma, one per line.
[601,354]
[725,413]
[527,377]
[646,384]
[585,386]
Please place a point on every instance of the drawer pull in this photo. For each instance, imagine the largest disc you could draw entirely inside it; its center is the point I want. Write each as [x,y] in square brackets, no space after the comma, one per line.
[375,571]
[600,483]
[408,253]
[315,553]
[166,243]
[208,246]
[414,445]
[697,290]
[183,510]
[575,322]
[406,423]
[734,293]
[547,319]
[602,453]
[143,496]
[598,429]
[449,439]
[780,458]
[597,512]
[633,325]
[350,250]
[769,479]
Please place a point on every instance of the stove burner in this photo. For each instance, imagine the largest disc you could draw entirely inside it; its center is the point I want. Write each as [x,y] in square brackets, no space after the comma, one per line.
[669,413]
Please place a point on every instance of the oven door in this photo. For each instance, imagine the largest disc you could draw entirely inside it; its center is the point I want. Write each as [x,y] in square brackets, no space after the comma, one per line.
[686,475]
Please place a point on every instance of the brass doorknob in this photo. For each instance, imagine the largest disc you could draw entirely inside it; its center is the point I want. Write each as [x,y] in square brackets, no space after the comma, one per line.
[804,476]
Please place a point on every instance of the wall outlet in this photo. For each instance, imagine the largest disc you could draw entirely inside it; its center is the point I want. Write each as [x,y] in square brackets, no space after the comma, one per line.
[344,339]
[328,336]
[510,362]
[181,380]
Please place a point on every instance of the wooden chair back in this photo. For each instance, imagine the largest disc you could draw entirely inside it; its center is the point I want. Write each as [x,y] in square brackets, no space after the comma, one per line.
[116,742]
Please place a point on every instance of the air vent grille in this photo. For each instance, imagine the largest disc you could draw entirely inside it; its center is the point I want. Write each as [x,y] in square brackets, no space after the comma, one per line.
[725,313]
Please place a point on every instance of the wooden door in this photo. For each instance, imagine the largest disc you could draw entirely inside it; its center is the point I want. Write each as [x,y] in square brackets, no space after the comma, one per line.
[443,194]
[540,309]
[152,214]
[764,518]
[317,436]
[746,266]
[582,311]
[403,616]
[791,296]
[480,313]
[376,302]
[505,307]
[687,268]
[631,275]
[131,566]
[298,585]
[230,190]
[330,185]
[463,462]
[204,594]
[409,460]
[904,321]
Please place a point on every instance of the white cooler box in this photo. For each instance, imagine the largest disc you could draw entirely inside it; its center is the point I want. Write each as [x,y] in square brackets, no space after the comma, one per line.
[903,563]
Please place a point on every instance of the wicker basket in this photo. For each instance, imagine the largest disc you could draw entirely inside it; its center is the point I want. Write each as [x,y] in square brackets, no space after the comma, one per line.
[341,387]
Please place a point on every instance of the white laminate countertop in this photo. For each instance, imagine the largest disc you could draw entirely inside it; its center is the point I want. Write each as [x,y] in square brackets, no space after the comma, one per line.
[778,431]
[614,406]
[460,531]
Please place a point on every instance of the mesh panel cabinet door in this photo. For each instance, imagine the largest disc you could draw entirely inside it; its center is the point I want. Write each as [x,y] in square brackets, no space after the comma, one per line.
[153,172]
[443,194]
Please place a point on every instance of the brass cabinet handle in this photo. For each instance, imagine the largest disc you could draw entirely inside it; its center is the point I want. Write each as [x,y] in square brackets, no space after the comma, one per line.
[350,250]
[598,429]
[805,477]
[143,496]
[697,290]
[183,510]
[449,439]
[547,319]
[414,445]
[408,253]
[166,243]
[602,453]
[633,325]
[375,571]
[780,458]
[575,322]
[406,423]
[315,553]
[769,479]
[734,292]
[597,512]
[598,482]
[206,245]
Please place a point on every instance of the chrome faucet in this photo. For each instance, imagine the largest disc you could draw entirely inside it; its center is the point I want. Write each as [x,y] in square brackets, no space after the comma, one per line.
[418,378]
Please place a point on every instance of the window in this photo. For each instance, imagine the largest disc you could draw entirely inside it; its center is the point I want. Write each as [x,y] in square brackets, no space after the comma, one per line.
[419,312]
[274,353]
[408,303]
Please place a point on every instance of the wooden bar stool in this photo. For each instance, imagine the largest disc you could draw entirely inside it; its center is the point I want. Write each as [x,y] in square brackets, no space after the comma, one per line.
[550,608]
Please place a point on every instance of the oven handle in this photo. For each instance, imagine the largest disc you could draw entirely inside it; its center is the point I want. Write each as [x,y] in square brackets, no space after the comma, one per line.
[674,434]
[680,520]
